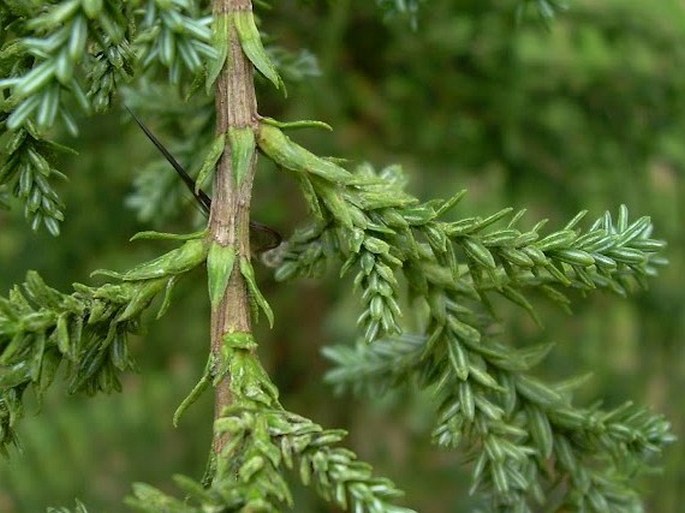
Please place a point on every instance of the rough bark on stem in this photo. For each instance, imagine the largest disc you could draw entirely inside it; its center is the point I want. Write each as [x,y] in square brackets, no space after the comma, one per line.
[236,107]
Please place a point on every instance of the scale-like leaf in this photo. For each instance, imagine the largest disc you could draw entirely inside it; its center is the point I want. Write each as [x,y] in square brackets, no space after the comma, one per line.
[220,263]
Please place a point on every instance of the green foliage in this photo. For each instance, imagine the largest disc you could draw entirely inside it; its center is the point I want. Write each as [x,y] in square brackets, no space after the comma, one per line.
[264,440]
[43,60]
[514,426]
[485,393]
[545,9]
[220,263]
[430,282]
[40,328]
[173,37]
[294,66]
[26,171]
[50,61]
[80,508]
[268,442]
[408,8]
[251,42]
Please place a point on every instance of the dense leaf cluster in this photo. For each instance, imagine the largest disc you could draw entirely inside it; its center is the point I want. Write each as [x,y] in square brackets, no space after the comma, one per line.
[85,332]
[515,425]
[80,54]
[264,441]
[71,53]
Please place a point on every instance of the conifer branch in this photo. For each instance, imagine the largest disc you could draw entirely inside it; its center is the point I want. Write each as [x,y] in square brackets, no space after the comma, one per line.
[41,327]
[514,425]
[483,388]
[374,225]
[236,110]
[80,52]
[523,436]
[42,68]
[263,441]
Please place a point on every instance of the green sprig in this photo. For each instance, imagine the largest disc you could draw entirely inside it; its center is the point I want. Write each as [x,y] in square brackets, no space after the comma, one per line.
[171,36]
[41,328]
[41,67]
[265,441]
[488,398]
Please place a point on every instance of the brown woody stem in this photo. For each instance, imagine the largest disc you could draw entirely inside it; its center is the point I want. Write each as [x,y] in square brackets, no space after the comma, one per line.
[236,107]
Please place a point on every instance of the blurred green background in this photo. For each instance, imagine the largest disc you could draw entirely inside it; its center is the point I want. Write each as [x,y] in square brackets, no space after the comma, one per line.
[589,114]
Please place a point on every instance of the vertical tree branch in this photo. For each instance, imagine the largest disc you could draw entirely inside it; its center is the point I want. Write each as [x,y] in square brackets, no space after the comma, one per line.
[236,107]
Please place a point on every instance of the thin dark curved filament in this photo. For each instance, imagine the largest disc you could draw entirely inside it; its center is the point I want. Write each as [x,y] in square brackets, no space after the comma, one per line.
[200,196]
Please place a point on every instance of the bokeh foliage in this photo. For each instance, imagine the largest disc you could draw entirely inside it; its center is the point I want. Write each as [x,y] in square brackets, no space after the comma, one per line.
[585,115]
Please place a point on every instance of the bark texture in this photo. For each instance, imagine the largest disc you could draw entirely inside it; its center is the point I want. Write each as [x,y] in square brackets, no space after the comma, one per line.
[236,107]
